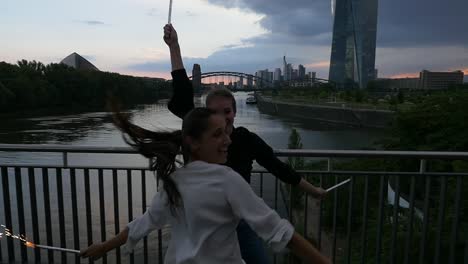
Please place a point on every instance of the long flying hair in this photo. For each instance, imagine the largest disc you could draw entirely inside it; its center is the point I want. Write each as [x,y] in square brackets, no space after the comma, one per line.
[162,147]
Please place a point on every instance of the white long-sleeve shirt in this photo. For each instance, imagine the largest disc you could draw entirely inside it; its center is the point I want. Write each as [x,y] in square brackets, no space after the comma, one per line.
[214,199]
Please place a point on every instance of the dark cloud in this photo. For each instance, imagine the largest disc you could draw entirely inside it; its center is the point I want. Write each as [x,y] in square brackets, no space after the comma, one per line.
[298,21]
[401,23]
[404,23]
[411,36]
[239,59]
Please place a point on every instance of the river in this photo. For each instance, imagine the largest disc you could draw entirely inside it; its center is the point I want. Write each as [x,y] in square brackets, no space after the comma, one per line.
[96,129]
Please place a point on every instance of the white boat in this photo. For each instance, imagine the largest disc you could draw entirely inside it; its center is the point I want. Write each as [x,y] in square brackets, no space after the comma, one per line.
[251,100]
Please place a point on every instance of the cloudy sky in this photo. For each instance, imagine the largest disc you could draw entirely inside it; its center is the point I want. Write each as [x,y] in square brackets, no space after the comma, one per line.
[125,36]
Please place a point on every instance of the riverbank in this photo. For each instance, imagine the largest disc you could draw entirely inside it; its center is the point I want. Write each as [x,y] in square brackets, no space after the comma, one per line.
[346,116]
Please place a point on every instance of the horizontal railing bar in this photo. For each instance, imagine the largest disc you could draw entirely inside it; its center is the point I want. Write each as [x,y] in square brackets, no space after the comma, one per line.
[370,154]
[312,172]
[278,152]
[82,167]
[383,173]
[68,149]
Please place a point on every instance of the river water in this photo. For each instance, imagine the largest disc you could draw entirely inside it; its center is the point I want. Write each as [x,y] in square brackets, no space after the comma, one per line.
[96,129]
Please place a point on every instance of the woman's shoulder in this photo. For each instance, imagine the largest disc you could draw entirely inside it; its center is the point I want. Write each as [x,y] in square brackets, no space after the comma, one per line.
[203,168]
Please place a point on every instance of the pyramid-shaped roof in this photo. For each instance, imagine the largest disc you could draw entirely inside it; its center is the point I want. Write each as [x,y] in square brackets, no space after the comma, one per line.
[76,61]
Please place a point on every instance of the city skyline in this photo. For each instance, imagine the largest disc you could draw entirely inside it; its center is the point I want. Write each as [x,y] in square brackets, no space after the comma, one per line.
[126,36]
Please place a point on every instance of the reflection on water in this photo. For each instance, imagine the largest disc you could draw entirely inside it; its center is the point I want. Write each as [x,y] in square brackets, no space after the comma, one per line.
[96,129]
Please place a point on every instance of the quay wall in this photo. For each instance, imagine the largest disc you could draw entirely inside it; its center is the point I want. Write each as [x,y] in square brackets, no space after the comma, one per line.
[353,117]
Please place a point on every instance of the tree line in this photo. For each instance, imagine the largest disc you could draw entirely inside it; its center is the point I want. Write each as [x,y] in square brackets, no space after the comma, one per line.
[435,123]
[31,85]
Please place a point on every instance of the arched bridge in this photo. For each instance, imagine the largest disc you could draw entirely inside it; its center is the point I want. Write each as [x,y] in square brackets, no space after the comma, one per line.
[261,84]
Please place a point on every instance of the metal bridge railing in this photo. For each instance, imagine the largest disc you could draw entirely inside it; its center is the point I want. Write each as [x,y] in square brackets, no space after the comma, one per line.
[382,215]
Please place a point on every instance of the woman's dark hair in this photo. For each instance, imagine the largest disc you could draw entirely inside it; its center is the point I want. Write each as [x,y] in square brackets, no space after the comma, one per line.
[163,147]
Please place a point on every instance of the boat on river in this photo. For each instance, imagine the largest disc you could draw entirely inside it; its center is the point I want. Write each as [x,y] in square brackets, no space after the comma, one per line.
[251,100]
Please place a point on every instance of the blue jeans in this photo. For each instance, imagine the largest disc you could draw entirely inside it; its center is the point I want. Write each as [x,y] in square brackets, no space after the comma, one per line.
[251,245]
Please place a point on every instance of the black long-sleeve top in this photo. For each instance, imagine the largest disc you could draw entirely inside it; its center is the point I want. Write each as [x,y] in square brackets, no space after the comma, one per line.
[245,146]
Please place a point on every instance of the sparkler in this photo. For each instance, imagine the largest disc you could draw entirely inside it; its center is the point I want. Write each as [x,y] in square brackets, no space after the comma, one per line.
[170,12]
[338,185]
[30,244]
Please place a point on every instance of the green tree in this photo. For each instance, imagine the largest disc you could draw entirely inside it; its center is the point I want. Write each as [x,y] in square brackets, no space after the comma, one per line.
[295,143]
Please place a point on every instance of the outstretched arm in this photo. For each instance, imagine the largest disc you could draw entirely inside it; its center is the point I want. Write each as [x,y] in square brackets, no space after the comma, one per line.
[306,251]
[265,156]
[152,219]
[277,232]
[316,192]
[172,41]
[98,250]
[182,94]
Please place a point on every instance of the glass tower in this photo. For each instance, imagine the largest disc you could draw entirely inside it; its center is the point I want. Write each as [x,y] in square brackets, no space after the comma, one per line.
[354,41]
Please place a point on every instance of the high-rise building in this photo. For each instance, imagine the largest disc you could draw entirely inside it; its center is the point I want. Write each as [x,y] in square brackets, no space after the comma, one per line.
[354,41]
[294,75]
[301,72]
[287,70]
[277,75]
[264,76]
[196,77]
[312,76]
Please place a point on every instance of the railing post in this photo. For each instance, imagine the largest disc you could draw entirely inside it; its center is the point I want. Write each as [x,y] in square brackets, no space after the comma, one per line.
[440,220]
[396,207]
[65,159]
[350,218]
[7,210]
[20,204]
[409,237]
[380,221]
[364,221]
[422,166]
[33,200]
[456,219]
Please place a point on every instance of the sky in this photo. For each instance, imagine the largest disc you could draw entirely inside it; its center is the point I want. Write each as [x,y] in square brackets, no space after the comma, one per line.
[125,36]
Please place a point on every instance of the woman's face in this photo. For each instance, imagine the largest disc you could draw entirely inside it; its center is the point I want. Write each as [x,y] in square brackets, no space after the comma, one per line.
[224,107]
[213,145]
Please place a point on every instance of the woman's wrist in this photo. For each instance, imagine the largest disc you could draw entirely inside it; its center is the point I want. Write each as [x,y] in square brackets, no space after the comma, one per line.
[174,46]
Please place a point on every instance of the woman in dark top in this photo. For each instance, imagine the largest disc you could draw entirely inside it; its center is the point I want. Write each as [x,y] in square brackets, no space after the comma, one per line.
[244,149]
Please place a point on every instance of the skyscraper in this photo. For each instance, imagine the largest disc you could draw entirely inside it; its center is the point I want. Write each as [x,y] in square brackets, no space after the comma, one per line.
[354,41]
[287,70]
[301,72]
[277,75]
[196,79]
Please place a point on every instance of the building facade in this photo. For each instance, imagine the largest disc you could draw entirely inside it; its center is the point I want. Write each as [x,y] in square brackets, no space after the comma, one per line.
[196,77]
[439,80]
[301,71]
[277,75]
[354,42]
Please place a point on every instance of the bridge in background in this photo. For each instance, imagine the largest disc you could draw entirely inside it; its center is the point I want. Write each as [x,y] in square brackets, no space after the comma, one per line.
[238,81]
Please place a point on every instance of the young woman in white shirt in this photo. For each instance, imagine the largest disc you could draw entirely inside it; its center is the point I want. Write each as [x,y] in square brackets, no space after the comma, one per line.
[202,201]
